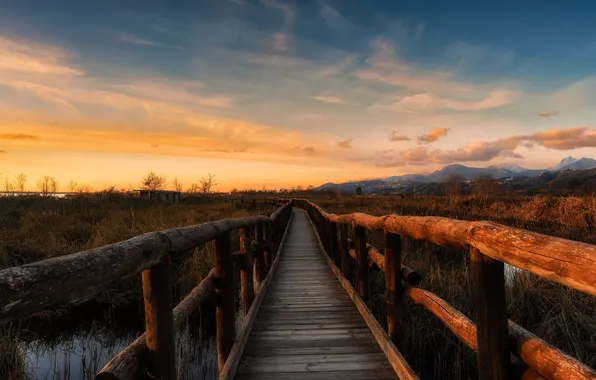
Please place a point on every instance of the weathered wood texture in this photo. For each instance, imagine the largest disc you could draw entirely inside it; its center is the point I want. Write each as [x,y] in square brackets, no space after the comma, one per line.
[159,320]
[491,316]
[376,258]
[247,291]
[538,359]
[224,292]
[393,286]
[231,367]
[307,326]
[546,360]
[564,261]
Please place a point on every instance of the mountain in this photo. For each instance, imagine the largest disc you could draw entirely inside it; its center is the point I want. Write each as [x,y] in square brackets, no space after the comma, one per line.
[564,162]
[511,168]
[581,164]
[512,176]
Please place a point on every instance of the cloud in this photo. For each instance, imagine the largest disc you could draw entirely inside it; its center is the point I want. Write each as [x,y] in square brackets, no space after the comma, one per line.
[154,145]
[432,136]
[430,102]
[286,9]
[327,99]
[415,154]
[49,94]
[477,151]
[17,136]
[395,136]
[334,19]
[559,139]
[565,139]
[347,144]
[426,89]
[27,56]
[136,40]
[548,114]
[308,150]
[280,42]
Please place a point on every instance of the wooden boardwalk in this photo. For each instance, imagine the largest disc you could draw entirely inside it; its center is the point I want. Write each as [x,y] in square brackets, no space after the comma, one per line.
[307,326]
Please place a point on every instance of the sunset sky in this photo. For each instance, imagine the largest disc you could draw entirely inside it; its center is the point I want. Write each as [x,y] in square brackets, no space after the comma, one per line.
[281,93]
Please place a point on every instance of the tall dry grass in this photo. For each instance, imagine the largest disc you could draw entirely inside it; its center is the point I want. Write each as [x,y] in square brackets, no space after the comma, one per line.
[561,316]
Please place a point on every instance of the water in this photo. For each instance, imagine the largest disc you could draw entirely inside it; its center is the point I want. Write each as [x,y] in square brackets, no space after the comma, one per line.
[79,352]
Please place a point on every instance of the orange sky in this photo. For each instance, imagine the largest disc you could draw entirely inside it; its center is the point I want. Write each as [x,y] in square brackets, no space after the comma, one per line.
[105,106]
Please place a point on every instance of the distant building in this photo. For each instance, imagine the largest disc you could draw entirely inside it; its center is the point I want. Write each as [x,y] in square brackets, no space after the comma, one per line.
[172,197]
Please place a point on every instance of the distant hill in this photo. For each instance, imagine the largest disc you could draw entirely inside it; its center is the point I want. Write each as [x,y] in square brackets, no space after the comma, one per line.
[512,176]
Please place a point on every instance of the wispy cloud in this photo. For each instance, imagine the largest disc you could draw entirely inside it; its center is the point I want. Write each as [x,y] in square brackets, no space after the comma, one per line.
[327,99]
[430,102]
[396,136]
[17,136]
[334,19]
[548,114]
[432,136]
[346,144]
[280,42]
[28,56]
[136,40]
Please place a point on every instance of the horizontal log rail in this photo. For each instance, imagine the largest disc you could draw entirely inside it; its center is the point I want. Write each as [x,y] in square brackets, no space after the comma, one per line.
[68,280]
[504,349]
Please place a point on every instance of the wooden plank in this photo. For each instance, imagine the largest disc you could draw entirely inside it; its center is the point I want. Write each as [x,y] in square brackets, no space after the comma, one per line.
[231,366]
[397,361]
[314,366]
[344,375]
[306,312]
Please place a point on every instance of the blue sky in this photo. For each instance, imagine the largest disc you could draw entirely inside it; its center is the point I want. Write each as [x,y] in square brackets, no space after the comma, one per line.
[276,87]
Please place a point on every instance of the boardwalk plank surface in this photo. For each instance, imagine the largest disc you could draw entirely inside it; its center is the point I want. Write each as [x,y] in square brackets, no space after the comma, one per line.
[307,326]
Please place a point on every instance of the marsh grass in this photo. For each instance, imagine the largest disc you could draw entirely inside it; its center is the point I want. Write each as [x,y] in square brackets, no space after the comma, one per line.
[563,317]
[37,228]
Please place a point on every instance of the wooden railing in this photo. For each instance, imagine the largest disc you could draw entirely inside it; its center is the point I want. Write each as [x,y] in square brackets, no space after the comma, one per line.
[504,349]
[72,279]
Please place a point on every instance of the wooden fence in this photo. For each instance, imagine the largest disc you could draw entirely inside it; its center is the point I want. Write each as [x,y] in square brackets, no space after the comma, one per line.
[504,349]
[71,279]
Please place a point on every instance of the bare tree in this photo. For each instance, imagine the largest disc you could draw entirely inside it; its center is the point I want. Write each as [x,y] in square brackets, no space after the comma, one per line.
[484,187]
[73,186]
[453,187]
[176,185]
[47,184]
[207,184]
[20,181]
[154,181]
[8,187]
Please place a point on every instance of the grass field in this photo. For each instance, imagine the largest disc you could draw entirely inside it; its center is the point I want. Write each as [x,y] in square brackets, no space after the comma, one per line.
[34,228]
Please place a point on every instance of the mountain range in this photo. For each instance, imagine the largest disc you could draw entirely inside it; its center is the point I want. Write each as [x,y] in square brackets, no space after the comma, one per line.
[404,183]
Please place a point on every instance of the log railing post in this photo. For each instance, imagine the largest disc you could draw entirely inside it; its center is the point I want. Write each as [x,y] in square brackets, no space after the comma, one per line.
[159,320]
[224,288]
[260,268]
[246,274]
[393,286]
[361,263]
[491,317]
[333,246]
[342,240]
[269,251]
